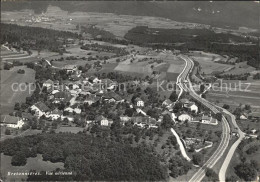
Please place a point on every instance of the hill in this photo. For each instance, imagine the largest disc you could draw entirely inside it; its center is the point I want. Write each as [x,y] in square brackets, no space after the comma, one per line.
[220,14]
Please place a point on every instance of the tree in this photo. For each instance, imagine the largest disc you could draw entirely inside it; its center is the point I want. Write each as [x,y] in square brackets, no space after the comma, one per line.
[246,171]
[17,106]
[197,159]
[173,97]
[167,122]
[212,175]
[19,159]
[202,88]
[129,112]
[219,116]
[225,106]
[7,132]
[247,107]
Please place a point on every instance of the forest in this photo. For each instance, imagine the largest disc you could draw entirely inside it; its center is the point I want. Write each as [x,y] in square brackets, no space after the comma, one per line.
[196,39]
[36,38]
[88,157]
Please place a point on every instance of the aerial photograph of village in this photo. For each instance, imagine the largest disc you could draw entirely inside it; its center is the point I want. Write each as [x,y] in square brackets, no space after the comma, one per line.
[130,91]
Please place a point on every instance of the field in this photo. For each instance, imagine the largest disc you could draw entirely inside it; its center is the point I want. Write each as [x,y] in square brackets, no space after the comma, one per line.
[32,164]
[208,64]
[235,92]
[69,129]
[9,96]
[119,25]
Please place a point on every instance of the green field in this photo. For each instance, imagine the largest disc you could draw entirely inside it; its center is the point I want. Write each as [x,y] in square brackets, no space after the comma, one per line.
[8,95]
[32,164]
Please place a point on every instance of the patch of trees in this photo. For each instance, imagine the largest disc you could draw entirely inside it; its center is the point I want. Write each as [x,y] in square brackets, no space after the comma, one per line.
[252,149]
[246,171]
[88,157]
[173,97]
[8,66]
[21,71]
[205,40]
[33,37]
[198,159]
[105,48]
[211,175]
[178,166]
[233,77]
[256,76]
[96,32]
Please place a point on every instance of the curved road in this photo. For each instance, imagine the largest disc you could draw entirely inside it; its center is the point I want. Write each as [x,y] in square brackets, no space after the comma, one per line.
[186,85]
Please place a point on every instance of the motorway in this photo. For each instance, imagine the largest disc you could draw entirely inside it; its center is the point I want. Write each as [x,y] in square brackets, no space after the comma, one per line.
[185,84]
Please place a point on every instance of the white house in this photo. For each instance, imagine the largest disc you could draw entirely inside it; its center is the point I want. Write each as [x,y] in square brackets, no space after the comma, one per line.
[208,120]
[184,117]
[243,116]
[192,107]
[40,109]
[139,102]
[103,121]
[96,80]
[54,115]
[11,121]
[167,103]
[70,68]
[48,84]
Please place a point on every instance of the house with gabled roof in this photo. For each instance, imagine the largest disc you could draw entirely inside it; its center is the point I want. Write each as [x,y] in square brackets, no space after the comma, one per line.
[205,119]
[243,116]
[70,68]
[103,121]
[139,102]
[91,99]
[55,114]
[11,121]
[48,84]
[192,107]
[40,109]
[112,97]
[167,103]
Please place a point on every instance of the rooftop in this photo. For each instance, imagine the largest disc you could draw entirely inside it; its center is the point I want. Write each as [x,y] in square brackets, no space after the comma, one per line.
[9,119]
[42,106]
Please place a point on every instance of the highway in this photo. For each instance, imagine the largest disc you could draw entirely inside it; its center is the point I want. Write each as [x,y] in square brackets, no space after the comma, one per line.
[185,83]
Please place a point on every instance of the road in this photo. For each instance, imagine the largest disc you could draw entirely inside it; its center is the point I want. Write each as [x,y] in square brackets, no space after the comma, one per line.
[187,86]
[183,152]
[223,169]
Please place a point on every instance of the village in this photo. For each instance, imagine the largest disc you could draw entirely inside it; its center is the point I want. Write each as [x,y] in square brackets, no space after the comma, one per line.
[84,100]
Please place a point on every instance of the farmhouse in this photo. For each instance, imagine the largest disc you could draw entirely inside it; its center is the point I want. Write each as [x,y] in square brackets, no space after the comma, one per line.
[48,84]
[167,103]
[139,102]
[103,121]
[90,99]
[112,97]
[40,109]
[243,116]
[55,114]
[11,121]
[191,106]
[27,116]
[70,68]
[184,117]
[144,122]
[208,120]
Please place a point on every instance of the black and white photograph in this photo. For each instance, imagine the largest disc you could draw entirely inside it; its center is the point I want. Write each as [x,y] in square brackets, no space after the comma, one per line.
[130,91]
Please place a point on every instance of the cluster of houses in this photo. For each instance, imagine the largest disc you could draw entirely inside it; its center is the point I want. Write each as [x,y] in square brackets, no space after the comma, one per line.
[90,90]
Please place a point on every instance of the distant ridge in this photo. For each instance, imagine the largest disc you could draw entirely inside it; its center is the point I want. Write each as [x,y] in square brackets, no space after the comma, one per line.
[221,14]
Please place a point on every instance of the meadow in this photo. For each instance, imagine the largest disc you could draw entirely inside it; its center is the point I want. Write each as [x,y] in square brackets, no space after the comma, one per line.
[32,164]
[8,96]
